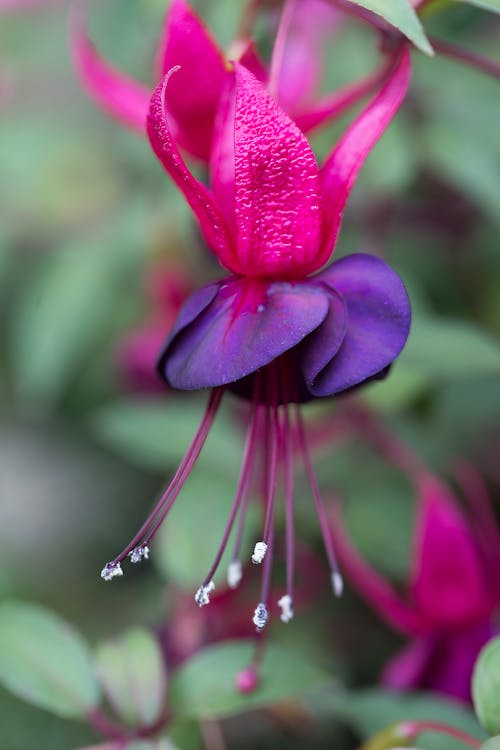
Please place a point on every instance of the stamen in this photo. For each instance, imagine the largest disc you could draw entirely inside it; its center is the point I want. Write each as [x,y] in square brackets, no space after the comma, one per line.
[286,605]
[259,552]
[260,616]
[336,577]
[234,574]
[202,596]
[286,436]
[164,504]
[111,570]
[244,481]
[139,553]
[337,583]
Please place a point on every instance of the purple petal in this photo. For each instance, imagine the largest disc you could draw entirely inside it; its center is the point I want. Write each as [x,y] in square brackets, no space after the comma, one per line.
[246,326]
[276,187]
[449,583]
[194,93]
[323,344]
[342,167]
[120,96]
[378,322]
[199,198]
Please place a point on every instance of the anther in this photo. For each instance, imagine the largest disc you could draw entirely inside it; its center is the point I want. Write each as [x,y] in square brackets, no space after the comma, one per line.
[234,574]
[260,616]
[286,605]
[259,552]
[337,583]
[202,596]
[111,570]
[139,553]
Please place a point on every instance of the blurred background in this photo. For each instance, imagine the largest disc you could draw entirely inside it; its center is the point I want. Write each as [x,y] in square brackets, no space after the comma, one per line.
[97,251]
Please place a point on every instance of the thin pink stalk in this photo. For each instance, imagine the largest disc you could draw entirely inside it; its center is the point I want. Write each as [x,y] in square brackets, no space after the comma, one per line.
[289,502]
[169,495]
[244,480]
[414,728]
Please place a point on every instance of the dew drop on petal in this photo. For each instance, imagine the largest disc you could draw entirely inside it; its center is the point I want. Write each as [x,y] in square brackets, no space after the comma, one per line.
[286,605]
[234,574]
[202,596]
[259,552]
[111,570]
[139,553]
[260,616]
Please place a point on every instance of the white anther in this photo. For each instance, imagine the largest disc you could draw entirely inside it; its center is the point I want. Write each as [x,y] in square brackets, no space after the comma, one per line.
[259,552]
[337,583]
[111,570]
[139,553]
[202,596]
[234,574]
[286,605]
[260,616]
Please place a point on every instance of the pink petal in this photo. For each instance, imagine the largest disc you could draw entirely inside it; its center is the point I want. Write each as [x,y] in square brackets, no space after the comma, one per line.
[194,93]
[408,669]
[117,94]
[318,112]
[341,169]
[370,585]
[311,24]
[199,198]
[448,579]
[276,187]
[249,57]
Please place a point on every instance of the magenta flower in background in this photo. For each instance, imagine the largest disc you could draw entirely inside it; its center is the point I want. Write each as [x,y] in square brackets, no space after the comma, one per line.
[274,330]
[452,593]
[194,94]
[167,288]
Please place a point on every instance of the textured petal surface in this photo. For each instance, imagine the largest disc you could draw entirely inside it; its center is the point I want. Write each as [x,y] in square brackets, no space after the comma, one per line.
[114,92]
[163,143]
[276,187]
[341,169]
[194,92]
[246,326]
[448,579]
[378,322]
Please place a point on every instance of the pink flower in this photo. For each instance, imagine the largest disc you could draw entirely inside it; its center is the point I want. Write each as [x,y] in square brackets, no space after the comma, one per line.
[452,593]
[167,289]
[195,91]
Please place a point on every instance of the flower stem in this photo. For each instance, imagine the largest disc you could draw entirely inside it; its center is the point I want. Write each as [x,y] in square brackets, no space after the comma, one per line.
[480,62]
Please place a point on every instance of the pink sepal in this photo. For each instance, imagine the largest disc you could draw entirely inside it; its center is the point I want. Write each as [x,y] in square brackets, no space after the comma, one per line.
[340,170]
[120,96]
[199,198]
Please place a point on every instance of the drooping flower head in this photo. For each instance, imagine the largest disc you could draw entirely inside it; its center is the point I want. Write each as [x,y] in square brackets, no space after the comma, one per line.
[194,94]
[275,330]
[452,591]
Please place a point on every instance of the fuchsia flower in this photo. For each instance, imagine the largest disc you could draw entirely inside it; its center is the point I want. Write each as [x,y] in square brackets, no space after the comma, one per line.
[274,330]
[204,70]
[452,593]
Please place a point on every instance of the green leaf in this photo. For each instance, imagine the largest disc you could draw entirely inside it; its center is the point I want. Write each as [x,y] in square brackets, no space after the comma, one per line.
[44,661]
[157,431]
[492,5]
[188,541]
[486,686]
[400,14]
[372,710]
[133,677]
[204,687]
